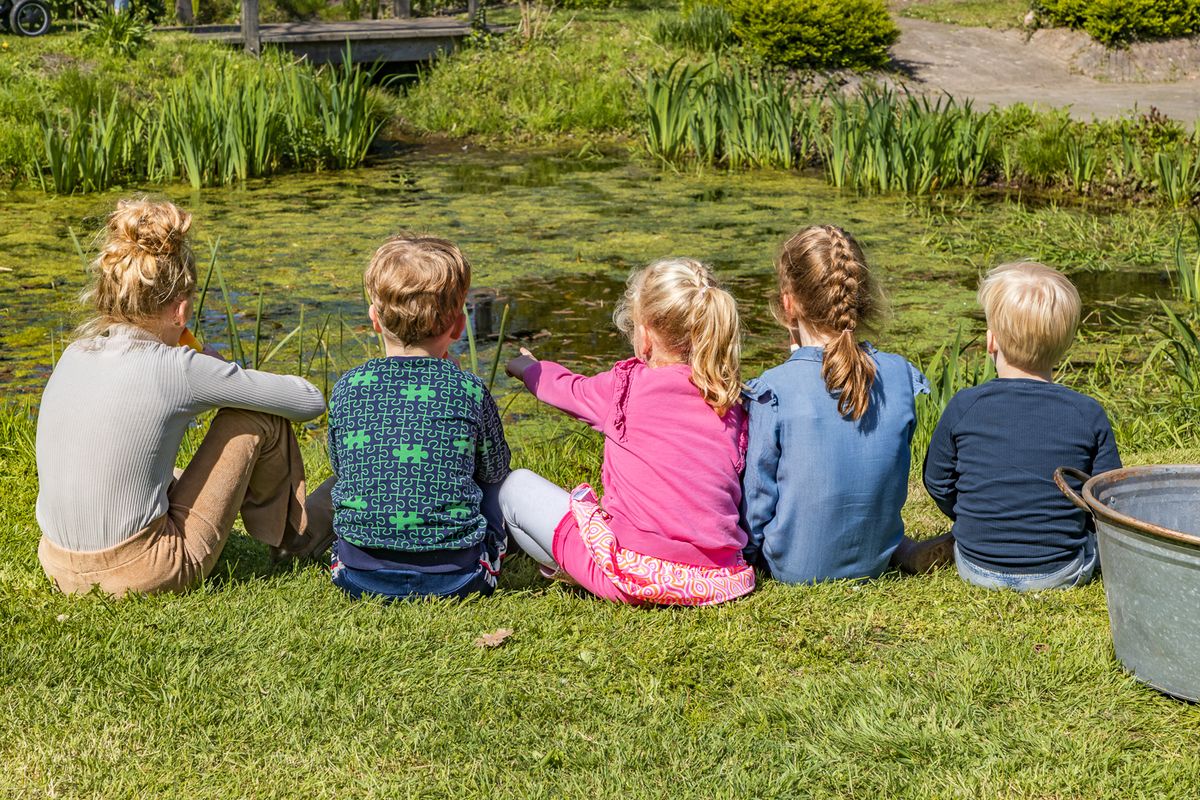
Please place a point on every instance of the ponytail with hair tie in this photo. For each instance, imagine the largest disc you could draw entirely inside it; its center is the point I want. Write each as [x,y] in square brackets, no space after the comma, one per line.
[679,299]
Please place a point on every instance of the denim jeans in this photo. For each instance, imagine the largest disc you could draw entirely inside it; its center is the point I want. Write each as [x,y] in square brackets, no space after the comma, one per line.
[1081,570]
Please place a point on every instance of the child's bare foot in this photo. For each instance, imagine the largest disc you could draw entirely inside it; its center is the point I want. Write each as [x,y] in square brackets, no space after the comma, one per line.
[916,557]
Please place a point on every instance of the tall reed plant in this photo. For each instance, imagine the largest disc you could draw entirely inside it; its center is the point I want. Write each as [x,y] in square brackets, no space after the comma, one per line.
[882,141]
[954,367]
[727,115]
[222,125]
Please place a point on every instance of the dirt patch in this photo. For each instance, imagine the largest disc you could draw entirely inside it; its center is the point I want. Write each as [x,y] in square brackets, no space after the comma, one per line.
[1050,68]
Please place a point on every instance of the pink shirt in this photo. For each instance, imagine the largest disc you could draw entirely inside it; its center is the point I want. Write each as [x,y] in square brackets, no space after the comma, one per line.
[671,465]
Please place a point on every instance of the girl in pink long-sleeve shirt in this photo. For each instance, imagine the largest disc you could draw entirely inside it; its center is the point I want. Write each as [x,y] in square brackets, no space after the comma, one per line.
[675,444]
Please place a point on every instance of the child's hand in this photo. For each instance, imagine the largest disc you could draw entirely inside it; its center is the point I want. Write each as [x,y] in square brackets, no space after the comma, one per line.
[516,367]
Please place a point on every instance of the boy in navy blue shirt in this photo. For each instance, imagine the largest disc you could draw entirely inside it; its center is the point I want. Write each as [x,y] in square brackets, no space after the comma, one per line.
[416,443]
[991,463]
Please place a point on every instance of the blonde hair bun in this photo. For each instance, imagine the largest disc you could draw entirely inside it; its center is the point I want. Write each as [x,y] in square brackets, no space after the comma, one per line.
[145,262]
[141,225]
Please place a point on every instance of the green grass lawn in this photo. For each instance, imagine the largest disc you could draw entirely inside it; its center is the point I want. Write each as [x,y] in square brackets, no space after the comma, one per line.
[269,683]
[971,13]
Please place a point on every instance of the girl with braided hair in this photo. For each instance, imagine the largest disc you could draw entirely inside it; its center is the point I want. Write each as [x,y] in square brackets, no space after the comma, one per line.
[830,428]
[674,430]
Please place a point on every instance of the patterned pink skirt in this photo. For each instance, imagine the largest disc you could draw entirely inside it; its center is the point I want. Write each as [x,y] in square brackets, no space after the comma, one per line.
[638,578]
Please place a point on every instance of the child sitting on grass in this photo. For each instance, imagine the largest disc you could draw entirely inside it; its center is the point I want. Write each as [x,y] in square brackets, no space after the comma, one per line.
[674,446]
[831,427]
[991,463]
[415,441]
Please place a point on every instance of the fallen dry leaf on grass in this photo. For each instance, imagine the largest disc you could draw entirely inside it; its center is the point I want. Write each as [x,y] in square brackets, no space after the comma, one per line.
[495,638]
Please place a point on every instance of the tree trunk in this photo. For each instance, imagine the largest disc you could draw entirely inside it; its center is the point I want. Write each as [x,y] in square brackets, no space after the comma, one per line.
[183,12]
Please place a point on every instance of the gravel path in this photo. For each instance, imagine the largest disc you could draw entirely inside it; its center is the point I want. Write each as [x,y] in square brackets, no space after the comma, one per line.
[1000,67]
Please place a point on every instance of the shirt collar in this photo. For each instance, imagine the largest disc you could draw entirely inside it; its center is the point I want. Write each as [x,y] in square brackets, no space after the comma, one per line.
[817,354]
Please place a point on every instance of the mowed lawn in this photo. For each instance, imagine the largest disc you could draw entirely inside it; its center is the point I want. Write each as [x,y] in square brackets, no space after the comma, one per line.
[269,683]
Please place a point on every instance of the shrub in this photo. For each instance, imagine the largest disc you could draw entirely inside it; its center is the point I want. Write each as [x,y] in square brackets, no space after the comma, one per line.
[120,34]
[836,34]
[1118,22]
[281,10]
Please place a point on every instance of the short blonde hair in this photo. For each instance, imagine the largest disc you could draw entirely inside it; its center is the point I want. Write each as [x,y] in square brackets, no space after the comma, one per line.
[145,263]
[679,299]
[417,286]
[1033,311]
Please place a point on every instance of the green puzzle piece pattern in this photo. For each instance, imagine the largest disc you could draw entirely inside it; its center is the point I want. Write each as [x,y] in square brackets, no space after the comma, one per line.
[410,440]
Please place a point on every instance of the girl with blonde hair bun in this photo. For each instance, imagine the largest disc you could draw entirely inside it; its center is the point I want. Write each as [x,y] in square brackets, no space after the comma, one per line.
[674,446]
[114,413]
[831,427]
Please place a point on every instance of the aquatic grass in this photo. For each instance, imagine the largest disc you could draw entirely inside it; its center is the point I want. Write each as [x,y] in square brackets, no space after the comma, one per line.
[1186,274]
[702,28]
[956,365]
[1179,348]
[87,148]
[723,114]
[882,141]
[217,125]
[1177,174]
[733,116]
[473,346]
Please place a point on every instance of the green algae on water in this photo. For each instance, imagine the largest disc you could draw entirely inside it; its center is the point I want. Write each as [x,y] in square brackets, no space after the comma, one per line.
[556,236]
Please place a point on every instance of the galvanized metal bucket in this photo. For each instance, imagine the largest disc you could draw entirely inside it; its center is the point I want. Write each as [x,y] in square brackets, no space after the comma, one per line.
[1148,527]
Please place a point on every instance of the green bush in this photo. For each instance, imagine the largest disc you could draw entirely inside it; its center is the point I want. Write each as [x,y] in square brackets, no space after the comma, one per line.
[836,34]
[289,10]
[120,34]
[1118,22]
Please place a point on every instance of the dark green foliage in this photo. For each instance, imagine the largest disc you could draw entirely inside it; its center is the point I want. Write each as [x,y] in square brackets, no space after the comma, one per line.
[1118,22]
[293,9]
[702,28]
[817,34]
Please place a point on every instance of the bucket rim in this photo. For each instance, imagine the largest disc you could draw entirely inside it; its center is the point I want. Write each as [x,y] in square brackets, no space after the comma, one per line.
[1101,511]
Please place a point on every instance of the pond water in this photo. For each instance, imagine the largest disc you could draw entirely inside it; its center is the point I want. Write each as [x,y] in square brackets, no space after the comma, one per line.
[552,236]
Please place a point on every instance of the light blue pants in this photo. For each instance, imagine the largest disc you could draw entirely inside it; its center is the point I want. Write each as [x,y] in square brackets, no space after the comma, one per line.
[1077,573]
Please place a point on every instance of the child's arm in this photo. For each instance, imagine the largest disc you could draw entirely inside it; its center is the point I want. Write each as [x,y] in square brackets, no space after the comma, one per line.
[492,455]
[587,399]
[760,486]
[940,473]
[218,384]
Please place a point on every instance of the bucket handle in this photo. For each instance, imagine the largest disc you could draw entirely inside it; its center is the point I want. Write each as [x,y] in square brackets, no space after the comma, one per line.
[1072,495]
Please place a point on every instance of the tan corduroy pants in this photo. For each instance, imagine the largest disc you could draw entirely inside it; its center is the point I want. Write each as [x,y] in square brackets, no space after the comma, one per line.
[250,463]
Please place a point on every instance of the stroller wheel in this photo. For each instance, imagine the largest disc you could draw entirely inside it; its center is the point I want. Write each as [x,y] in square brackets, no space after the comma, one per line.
[29,18]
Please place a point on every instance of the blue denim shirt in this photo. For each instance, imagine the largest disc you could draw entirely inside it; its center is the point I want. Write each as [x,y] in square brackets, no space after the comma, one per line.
[823,492]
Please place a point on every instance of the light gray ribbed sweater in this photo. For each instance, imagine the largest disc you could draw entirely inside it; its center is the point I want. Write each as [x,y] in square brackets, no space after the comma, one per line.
[111,421]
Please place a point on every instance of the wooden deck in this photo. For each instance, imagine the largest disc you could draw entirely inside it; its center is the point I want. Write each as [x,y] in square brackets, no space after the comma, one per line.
[387,41]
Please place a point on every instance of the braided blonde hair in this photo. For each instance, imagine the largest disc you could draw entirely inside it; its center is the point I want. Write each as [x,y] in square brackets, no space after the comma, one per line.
[679,299]
[145,263]
[824,273]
